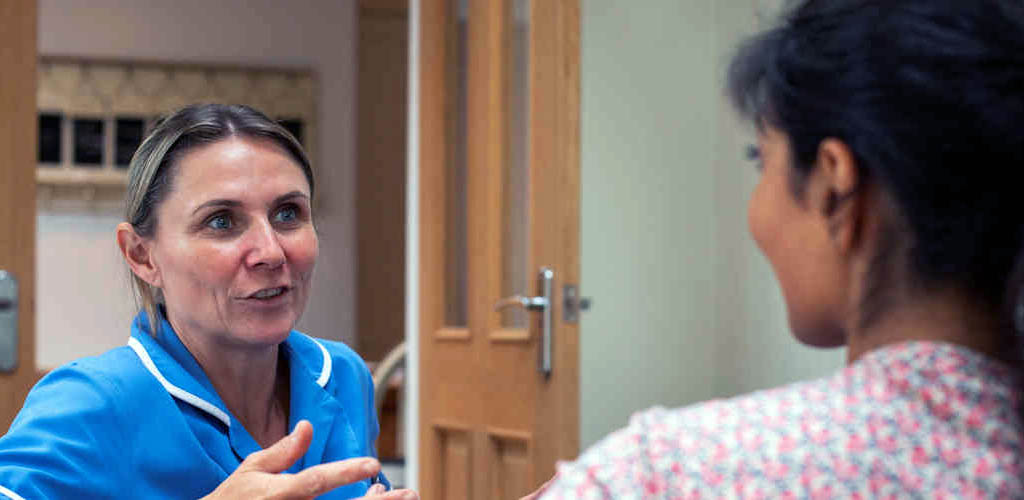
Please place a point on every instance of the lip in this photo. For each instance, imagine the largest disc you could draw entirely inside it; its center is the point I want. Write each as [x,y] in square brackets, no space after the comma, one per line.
[285,295]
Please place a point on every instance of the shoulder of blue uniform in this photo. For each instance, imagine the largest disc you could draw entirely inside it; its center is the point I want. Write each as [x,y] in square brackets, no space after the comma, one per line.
[118,370]
[350,369]
[347,366]
[73,424]
[110,382]
[337,363]
[343,356]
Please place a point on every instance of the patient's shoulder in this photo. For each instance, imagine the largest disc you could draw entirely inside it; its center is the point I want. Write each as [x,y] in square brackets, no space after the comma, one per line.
[707,448]
[908,419]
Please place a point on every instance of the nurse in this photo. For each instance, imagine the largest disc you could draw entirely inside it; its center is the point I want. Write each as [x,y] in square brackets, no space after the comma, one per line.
[214,395]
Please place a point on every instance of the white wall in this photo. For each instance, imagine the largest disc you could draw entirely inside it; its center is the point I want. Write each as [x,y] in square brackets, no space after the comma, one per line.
[83,306]
[755,347]
[685,308]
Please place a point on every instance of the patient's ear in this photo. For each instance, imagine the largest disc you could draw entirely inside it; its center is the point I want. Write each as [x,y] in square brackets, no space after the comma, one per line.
[137,253]
[837,194]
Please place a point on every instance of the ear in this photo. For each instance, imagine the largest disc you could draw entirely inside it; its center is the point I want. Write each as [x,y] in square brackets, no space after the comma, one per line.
[835,192]
[138,254]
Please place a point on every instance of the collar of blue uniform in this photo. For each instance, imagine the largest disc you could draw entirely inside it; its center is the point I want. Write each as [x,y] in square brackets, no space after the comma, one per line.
[174,367]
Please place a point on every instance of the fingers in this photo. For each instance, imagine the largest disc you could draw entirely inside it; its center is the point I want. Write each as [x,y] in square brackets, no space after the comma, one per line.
[322,478]
[376,489]
[393,495]
[283,453]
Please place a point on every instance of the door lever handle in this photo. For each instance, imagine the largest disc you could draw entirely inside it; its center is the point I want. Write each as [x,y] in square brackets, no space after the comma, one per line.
[541,303]
[8,322]
[528,303]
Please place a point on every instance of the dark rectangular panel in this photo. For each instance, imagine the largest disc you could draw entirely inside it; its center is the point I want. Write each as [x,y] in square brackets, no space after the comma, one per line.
[50,129]
[88,141]
[129,136]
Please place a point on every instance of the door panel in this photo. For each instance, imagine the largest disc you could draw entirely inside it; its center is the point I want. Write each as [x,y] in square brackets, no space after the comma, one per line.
[493,425]
[455,461]
[18,128]
[509,464]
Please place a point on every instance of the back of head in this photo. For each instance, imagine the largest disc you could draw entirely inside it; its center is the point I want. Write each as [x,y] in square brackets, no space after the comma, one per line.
[929,96]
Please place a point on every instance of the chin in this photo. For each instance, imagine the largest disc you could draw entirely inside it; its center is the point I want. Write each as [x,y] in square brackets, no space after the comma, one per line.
[265,332]
[820,341]
[819,334]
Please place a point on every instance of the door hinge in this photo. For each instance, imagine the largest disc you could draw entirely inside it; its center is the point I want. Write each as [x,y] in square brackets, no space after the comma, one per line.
[573,304]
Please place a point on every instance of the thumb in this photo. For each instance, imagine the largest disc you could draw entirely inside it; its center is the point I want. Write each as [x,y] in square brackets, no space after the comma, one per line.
[283,453]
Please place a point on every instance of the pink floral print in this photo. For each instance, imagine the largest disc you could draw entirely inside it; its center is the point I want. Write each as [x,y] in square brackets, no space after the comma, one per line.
[913,420]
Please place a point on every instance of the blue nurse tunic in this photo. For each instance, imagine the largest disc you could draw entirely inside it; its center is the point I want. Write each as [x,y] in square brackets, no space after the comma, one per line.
[144,421]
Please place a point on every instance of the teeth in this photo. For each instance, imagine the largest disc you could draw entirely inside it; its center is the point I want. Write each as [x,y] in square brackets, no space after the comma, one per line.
[268,293]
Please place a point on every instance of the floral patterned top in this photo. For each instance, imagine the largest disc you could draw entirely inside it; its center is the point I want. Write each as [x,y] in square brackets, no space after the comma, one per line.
[913,420]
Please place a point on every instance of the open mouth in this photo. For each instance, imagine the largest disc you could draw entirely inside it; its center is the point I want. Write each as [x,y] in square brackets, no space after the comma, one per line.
[269,293]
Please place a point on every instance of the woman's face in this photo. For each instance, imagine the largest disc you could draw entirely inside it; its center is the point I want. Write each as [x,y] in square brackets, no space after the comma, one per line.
[794,236]
[235,245]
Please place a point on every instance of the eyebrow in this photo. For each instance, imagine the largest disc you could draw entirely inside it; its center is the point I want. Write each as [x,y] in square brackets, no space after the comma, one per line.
[226,203]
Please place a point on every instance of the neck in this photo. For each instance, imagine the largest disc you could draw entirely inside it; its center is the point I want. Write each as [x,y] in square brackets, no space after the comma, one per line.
[939,317]
[252,382]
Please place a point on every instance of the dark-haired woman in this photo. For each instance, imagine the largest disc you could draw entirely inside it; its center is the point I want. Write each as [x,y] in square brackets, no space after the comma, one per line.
[215,395]
[891,152]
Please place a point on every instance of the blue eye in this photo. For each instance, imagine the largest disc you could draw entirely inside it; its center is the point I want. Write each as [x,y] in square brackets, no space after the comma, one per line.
[286,215]
[219,222]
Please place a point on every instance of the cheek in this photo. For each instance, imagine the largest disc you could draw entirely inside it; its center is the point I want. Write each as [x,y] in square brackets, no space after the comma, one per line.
[778,230]
[193,266]
[758,218]
[791,236]
[768,228]
[303,249]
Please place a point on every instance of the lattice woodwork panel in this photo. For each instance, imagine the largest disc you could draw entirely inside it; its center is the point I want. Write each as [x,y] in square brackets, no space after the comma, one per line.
[116,95]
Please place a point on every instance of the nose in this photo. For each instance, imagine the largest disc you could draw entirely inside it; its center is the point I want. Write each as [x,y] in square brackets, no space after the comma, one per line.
[265,249]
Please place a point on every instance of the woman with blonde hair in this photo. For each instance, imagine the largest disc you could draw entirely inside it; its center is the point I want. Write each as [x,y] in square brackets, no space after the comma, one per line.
[215,395]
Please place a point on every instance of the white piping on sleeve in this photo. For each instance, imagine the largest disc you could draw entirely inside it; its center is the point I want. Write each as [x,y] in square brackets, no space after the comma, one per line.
[325,372]
[174,390]
[10,494]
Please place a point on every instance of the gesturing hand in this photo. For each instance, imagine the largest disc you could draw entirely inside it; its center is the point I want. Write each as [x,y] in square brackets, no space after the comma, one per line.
[259,476]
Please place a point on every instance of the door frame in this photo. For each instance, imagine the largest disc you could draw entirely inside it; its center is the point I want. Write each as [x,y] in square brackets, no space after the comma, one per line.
[19,55]
[412,256]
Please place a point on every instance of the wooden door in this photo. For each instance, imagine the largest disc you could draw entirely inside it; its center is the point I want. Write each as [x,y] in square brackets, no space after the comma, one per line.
[499,199]
[380,176]
[18,188]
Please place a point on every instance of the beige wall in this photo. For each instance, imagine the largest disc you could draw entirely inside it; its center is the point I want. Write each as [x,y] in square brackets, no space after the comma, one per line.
[83,304]
[685,308]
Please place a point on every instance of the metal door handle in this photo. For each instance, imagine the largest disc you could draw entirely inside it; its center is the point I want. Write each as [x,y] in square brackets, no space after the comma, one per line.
[8,322]
[528,303]
[540,303]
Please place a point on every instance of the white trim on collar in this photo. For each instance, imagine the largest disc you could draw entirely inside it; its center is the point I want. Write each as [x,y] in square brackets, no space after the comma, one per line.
[12,495]
[325,372]
[176,391]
